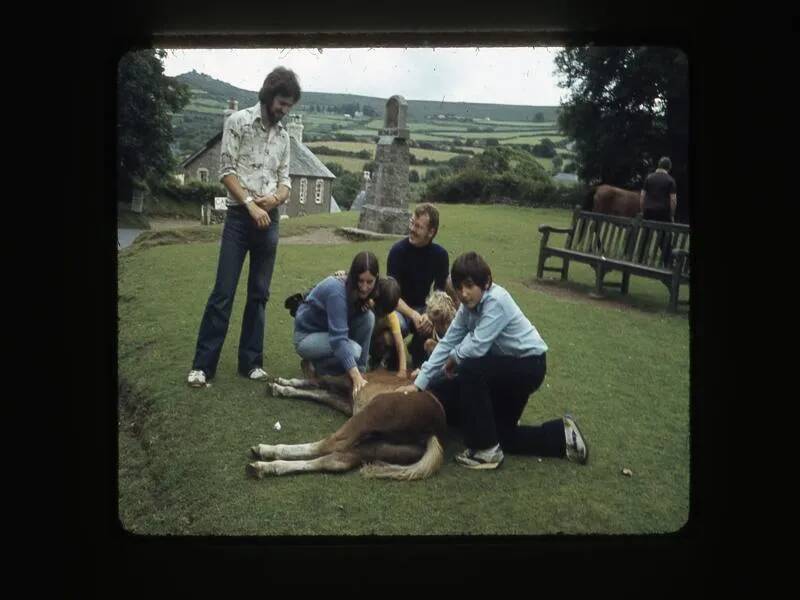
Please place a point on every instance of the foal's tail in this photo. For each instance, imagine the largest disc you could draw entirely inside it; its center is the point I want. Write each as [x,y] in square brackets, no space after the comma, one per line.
[427,465]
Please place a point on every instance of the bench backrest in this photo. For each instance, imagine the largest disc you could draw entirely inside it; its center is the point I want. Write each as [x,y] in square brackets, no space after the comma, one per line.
[621,238]
[601,234]
[648,244]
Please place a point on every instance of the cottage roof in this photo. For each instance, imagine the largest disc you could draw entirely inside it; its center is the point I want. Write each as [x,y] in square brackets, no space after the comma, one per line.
[302,162]
[209,144]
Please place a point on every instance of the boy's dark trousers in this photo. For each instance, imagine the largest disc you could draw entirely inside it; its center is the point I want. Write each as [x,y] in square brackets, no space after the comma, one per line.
[486,399]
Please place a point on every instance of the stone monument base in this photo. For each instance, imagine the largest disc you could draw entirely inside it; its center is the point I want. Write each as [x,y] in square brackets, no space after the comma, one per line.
[384,219]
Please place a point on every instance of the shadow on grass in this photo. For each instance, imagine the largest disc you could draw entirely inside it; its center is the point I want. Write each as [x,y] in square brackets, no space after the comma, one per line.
[612,298]
[134,408]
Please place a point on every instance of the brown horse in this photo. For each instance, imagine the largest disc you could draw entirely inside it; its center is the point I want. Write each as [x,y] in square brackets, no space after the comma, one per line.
[394,435]
[612,200]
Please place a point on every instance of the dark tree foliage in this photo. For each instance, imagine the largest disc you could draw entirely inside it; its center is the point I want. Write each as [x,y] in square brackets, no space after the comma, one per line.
[145,100]
[627,108]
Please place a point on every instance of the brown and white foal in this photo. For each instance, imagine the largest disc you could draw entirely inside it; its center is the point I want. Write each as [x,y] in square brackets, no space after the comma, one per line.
[393,435]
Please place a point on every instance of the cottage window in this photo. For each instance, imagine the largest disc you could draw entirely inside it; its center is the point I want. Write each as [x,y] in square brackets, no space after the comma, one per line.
[202,175]
[318,191]
[303,186]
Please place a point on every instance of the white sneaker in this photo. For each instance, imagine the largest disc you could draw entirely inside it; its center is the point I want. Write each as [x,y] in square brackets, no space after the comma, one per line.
[577,450]
[258,374]
[491,458]
[197,378]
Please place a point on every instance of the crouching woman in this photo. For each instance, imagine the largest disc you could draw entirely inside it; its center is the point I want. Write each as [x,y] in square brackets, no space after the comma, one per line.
[333,325]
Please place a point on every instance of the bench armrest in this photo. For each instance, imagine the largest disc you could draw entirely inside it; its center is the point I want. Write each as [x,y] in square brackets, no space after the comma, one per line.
[548,228]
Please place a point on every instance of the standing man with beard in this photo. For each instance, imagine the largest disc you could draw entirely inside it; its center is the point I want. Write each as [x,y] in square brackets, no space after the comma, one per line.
[254,167]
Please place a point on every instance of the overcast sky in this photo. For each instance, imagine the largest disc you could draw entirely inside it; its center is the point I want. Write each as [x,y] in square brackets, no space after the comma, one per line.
[498,75]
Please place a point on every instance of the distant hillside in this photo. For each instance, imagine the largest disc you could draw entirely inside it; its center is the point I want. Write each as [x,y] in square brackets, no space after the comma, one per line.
[202,117]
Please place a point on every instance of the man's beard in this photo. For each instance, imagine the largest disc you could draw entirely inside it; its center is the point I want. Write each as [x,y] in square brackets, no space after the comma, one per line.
[271,117]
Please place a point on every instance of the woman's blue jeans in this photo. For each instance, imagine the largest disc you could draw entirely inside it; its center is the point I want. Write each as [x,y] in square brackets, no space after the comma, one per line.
[240,235]
[316,346]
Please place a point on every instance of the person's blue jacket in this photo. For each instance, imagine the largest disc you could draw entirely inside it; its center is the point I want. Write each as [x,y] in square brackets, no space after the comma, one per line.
[325,310]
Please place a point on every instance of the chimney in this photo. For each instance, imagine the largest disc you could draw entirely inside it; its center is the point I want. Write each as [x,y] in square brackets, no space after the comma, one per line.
[295,127]
[233,106]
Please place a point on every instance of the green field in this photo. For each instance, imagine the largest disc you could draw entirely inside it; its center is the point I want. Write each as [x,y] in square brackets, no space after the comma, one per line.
[533,140]
[203,108]
[620,365]
[358,132]
[437,155]
[346,146]
[354,165]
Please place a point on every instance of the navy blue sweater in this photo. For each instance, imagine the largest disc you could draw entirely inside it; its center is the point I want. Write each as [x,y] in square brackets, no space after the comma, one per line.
[416,269]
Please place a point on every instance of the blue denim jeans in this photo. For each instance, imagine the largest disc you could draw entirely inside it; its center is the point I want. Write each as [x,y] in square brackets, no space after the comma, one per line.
[240,235]
[316,346]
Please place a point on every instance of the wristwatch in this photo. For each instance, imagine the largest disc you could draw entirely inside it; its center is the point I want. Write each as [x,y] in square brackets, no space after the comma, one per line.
[248,200]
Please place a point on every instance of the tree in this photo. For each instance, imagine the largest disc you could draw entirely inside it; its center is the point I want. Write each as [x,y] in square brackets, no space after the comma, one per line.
[413,176]
[345,187]
[627,108]
[544,149]
[538,117]
[145,100]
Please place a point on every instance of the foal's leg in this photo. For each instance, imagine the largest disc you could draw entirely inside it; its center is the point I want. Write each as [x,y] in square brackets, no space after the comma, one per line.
[297,383]
[338,384]
[336,462]
[322,396]
[287,451]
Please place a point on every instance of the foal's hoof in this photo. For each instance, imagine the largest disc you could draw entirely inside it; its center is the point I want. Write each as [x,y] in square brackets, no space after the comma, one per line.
[252,471]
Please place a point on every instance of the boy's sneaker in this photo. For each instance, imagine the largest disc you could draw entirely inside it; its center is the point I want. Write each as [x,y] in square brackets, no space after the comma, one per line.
[577,450]
[258,374]
[197,378]
[481,459]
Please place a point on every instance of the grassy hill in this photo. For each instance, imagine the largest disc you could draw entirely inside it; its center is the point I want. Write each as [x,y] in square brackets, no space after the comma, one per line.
[202,118]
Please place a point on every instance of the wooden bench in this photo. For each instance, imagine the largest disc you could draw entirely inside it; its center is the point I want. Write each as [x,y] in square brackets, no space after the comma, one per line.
[632,246]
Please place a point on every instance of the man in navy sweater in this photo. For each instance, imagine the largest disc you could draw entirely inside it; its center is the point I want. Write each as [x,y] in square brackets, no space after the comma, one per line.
[416,262]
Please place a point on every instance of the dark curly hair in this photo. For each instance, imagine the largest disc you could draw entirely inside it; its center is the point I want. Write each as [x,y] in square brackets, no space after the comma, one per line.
[281,82]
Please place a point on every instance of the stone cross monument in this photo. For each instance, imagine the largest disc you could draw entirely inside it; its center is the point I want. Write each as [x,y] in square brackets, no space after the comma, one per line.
[385,208]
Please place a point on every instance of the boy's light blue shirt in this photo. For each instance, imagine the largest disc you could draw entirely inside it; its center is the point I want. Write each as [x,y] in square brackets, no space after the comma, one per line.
[497,326]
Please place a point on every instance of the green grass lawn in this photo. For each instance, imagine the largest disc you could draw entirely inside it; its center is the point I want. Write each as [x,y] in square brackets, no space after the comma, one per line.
[620,365]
